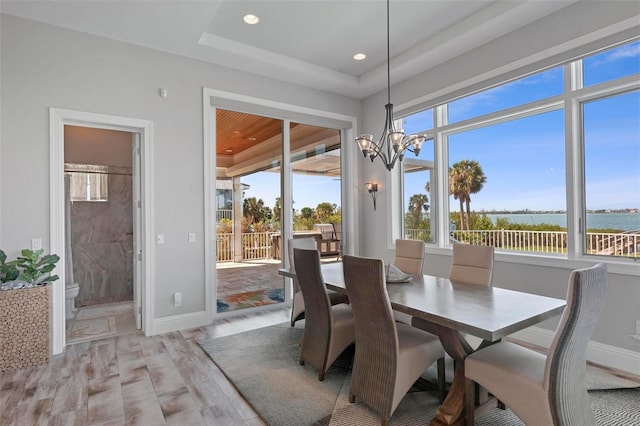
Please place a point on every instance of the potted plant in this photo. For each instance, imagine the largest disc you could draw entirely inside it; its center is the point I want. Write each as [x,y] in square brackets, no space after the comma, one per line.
[25,312]
[8,271]
[32,269]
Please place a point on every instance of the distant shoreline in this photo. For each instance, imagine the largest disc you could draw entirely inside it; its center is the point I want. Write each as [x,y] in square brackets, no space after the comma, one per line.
[598,211]
[623,221]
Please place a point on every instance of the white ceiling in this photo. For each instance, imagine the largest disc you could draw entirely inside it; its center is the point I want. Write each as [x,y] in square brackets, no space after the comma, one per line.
[305,42]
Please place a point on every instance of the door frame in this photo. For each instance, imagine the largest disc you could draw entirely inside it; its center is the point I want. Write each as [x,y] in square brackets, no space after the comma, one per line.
[58,118]
[213,99]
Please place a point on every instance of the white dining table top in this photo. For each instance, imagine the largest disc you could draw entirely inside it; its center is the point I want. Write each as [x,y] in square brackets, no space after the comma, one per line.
[490,313]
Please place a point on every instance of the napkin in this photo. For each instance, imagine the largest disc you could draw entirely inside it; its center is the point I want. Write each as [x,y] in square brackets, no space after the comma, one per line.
[395,275]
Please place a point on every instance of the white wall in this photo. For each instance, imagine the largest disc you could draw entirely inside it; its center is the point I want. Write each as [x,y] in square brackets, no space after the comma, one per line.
[45,66]
[559,37]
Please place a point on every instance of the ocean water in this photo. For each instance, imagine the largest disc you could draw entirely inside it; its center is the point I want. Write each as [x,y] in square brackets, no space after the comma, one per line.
[620,221]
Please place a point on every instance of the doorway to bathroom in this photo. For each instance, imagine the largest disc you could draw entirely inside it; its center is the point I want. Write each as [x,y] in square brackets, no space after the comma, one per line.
[101,189]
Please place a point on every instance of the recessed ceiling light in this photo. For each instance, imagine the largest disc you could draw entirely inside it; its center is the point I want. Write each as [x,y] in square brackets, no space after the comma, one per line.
[228,150]
[251,19]
[359,56]
[252,139]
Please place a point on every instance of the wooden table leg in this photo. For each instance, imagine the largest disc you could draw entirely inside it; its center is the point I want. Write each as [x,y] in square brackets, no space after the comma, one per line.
[451,412]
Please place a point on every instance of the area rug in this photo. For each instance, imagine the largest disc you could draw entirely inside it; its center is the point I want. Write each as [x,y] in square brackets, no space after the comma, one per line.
[250,299]
[91,329]
[263,365]
[105,310]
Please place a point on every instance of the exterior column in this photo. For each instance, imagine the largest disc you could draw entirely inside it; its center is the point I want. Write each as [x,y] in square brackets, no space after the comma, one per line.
[237,220]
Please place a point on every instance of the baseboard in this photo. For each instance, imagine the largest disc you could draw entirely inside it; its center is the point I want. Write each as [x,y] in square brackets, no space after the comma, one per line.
[598,353]
[178,322]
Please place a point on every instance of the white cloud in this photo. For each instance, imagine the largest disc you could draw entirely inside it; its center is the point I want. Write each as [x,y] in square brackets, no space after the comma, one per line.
[624,52]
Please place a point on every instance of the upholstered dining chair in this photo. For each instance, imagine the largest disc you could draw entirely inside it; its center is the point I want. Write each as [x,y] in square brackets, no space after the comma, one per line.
[551,389]
[472,264]
[297,306]
[389,356]
[409,256]
[328,330]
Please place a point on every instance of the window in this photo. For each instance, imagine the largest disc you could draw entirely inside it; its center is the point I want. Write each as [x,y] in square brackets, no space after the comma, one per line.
[507,181]
[509,150]
[417,176]
[88,182]
[612,64]
[533,88]
[612,175]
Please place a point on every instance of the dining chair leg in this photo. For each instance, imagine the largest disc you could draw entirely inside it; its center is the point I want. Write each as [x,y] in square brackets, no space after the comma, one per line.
[442,385]
[469,401]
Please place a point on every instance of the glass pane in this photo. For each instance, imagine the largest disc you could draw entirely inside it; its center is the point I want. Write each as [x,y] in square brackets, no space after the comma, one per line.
[417,205]
[615,63]
[520,205]
[316,189]
[248,160]
[533,88]
[419,122]
[612,175]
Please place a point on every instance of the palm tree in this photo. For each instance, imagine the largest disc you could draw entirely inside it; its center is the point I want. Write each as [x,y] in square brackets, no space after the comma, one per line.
[417,203]
[252,209]
[465,178]
[457,189]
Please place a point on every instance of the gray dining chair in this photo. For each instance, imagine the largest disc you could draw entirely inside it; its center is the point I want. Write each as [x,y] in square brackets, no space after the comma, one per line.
[389,356]
[545,389]
[409,256]
[471,264]
[328,330]
[297,303]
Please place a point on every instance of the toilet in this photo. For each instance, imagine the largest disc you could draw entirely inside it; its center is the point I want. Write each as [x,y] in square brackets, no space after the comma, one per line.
[71,291]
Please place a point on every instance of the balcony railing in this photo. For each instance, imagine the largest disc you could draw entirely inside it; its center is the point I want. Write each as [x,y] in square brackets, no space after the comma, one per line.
[255,246]
[260,245]
[625,244]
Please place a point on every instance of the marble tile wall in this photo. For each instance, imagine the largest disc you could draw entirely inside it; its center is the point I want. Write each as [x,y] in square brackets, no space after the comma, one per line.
[102,245]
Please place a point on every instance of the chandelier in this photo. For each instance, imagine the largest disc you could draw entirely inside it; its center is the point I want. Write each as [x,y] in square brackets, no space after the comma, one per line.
[393,143]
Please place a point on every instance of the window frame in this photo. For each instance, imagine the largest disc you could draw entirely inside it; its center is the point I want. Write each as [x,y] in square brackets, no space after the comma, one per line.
[571,100]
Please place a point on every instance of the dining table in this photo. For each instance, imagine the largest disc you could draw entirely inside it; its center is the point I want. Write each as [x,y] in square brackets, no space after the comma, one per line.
[454,310]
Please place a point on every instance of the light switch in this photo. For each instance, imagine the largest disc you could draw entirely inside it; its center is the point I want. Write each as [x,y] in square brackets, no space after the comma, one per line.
[192,237]
[36,244]
[160,239]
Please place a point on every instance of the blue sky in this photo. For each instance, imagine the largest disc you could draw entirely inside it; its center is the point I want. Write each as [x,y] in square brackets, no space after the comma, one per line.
[308,191]
[523,160]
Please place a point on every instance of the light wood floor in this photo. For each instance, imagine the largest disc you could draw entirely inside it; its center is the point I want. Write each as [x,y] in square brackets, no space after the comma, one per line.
[133,380]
